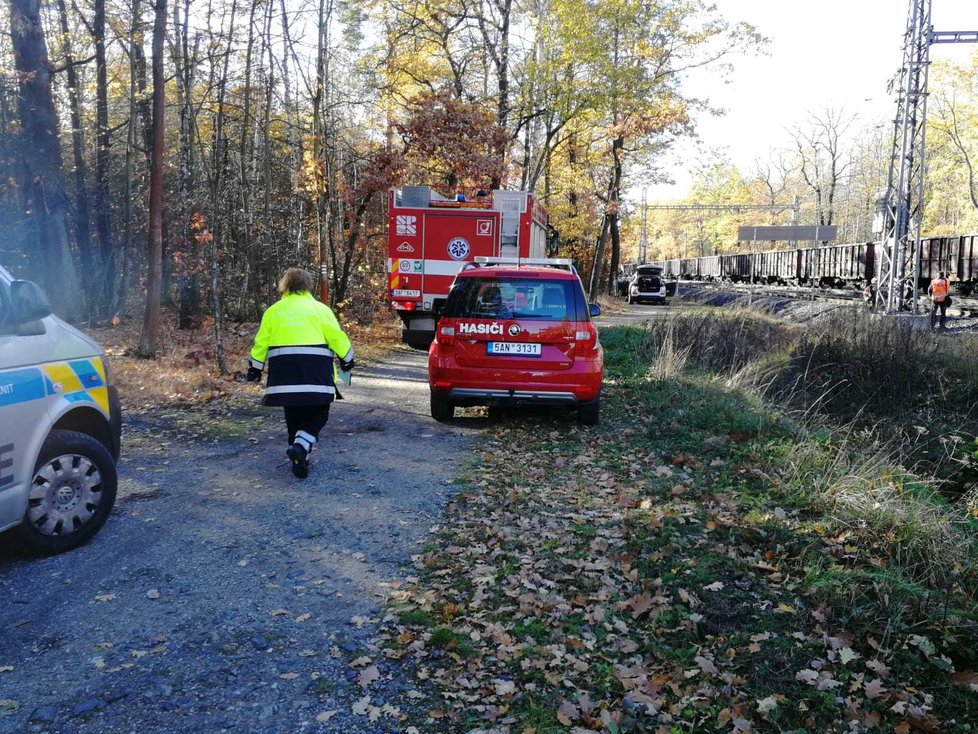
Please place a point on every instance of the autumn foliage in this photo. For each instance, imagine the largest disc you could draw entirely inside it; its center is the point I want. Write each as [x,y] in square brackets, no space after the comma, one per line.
[454,143]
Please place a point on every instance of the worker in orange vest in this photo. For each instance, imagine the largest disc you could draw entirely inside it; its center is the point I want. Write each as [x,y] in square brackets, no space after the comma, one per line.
[938,292]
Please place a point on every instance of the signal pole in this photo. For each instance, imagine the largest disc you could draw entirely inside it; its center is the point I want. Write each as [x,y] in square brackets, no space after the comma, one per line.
[899,211]
[643,246]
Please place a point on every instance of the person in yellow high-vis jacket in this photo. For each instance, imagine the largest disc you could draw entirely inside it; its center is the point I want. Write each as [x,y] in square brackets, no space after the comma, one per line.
[938,292]
[300,341]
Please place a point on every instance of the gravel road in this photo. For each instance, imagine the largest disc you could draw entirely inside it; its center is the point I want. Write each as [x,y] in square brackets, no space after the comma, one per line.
[222,593]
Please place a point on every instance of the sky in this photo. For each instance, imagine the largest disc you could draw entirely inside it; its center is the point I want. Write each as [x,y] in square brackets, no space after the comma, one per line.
[830,53]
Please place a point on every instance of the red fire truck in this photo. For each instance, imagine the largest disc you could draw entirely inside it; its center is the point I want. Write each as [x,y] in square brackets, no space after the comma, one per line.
[432,236]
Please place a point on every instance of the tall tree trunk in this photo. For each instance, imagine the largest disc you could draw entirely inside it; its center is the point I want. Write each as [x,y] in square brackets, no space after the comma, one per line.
[149,343]
[142,93]
[103,220]
[42,183]
[594,286]
[320,153]
[217,182]
[244,155]
[294,142]
[189,281]
[83,233]
[610,224]
[123,258]
[615,205]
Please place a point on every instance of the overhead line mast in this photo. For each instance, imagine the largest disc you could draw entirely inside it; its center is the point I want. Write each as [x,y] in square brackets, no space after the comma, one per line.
[900,209]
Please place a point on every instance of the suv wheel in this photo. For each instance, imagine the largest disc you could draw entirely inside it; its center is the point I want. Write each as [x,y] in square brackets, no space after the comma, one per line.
[442,409]
[590,414]
[70,497]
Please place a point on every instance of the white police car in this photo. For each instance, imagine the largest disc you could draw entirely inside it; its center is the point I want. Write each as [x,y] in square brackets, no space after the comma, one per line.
[60,426]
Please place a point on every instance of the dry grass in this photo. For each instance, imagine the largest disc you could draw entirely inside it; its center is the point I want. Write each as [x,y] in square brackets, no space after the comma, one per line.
[185,371]
[669,362]
[719,341]
[874,503]
[859,388]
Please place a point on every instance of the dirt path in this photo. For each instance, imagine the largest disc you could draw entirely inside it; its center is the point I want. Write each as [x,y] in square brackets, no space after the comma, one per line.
[220,594]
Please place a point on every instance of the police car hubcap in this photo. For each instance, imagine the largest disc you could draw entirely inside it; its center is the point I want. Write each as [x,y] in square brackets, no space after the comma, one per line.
[65,494]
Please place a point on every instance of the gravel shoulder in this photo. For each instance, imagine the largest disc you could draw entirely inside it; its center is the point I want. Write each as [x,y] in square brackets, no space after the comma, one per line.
[223,593]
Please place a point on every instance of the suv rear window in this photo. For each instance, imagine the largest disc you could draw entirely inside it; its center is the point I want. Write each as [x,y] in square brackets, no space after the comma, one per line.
[517,298]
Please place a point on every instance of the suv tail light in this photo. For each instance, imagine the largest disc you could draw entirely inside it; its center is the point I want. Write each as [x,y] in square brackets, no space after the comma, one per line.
[584,340]
[446,334]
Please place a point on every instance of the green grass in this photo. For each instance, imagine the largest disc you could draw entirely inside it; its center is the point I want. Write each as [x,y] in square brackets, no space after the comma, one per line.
[417,618]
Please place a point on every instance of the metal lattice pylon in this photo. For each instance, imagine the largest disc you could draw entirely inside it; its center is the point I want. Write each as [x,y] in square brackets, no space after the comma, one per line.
[899,255]
[902,205]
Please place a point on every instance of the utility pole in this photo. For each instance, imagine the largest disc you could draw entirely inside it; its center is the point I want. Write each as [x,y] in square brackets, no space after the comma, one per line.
[899,211]
[643,247]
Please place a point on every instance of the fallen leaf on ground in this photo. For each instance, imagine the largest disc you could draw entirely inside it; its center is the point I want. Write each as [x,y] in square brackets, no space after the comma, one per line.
[568,713]
[504,687]
[706,665]
[368,675]
[640,604]
[807,676]
[847,655]
[874,689]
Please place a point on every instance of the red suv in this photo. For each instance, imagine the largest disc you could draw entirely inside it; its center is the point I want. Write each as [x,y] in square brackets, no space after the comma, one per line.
[516,333]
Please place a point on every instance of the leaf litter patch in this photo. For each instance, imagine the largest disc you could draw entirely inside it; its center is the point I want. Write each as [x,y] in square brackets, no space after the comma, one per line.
[651,575]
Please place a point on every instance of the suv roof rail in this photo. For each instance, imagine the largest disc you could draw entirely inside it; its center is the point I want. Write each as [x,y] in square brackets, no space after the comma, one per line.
[553,262]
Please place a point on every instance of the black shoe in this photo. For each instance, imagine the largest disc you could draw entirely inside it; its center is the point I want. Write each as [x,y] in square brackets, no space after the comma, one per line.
[300,464]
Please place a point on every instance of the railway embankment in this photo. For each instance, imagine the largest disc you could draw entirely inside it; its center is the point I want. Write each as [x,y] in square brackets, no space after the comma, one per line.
[799,305]
[753,540]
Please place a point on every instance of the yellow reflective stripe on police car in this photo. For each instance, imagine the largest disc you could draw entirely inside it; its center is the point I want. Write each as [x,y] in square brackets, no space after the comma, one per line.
[78,380]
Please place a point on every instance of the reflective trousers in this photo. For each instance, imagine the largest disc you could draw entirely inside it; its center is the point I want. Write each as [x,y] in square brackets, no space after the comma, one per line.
[308,418]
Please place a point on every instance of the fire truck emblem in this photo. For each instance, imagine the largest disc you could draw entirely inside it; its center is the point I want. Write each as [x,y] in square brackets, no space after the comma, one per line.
[483,228]
[458,248]
[406,225]
[405,247]
[514,330]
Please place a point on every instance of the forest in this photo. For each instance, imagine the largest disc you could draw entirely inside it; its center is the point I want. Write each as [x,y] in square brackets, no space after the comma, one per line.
[177,155]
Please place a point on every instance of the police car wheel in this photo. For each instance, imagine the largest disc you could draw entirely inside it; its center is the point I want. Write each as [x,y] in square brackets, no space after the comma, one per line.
[71,495]
[442,409]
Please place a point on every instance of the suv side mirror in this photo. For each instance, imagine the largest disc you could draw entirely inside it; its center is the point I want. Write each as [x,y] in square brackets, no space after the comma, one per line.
[28,302]
[595,309]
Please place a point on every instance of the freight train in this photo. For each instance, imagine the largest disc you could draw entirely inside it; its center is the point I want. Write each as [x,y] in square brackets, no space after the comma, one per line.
[832,266]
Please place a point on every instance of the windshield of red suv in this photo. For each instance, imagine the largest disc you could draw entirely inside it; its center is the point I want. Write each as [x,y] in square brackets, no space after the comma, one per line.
[517,298]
